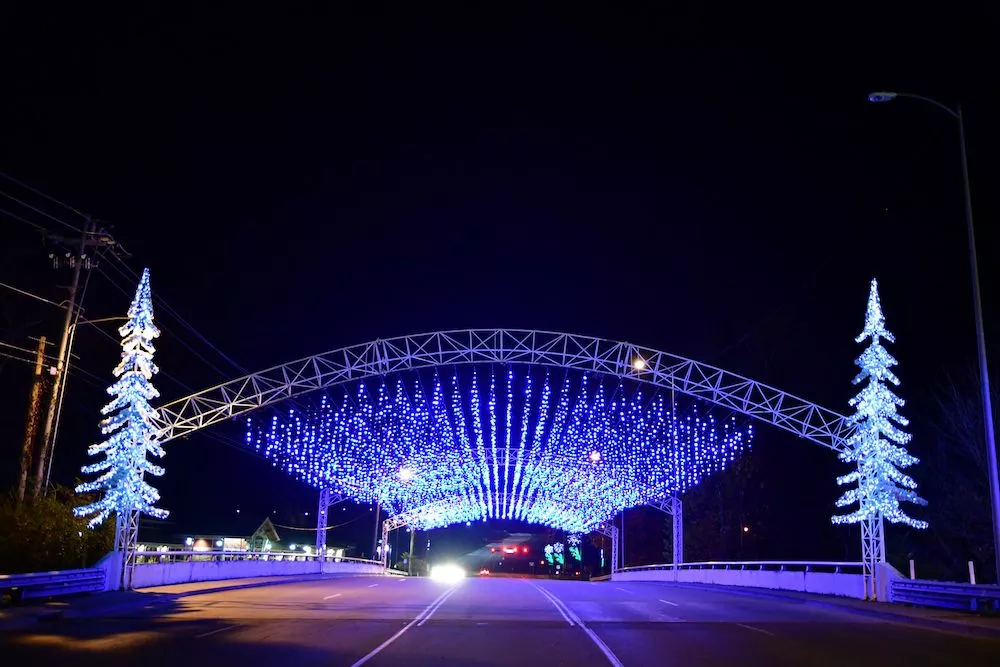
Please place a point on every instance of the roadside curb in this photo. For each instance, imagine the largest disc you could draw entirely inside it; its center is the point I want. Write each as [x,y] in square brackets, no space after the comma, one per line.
[957,626]
[142,601]
[164,598]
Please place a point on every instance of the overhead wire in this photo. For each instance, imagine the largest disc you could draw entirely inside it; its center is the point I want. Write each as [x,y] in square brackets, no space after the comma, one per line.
[29,294]
[16,358]
[40,193]
[166,328]
[24,220]
[25,349]
[173,313]
[41,212]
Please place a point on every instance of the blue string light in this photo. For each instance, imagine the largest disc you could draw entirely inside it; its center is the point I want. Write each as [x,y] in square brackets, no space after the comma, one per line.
[877,447]
[571,461]
[128,423]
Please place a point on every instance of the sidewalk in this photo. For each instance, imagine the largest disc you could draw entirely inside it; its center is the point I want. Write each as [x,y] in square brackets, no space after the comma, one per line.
[124,602]
[943,619]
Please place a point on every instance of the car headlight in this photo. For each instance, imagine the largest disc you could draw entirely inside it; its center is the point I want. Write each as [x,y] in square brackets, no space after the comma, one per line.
[447,573]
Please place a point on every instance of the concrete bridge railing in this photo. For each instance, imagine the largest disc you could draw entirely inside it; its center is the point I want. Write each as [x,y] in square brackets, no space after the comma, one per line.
[826,578]
[156,568]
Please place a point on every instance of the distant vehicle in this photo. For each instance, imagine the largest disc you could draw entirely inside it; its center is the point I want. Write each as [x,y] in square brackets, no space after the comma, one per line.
[484,572]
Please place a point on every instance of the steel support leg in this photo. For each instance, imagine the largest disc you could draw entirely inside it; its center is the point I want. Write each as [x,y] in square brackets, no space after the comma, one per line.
[614,549]
[322,515]
[872,554]
[677,517]
[126,544]
[385,544]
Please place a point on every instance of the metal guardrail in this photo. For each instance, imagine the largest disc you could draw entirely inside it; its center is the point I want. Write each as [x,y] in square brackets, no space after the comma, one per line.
[946,595]
[156,557]
[837,567]
[50,584]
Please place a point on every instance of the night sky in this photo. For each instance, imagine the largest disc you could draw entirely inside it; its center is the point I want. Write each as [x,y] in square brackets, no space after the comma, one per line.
[703,181]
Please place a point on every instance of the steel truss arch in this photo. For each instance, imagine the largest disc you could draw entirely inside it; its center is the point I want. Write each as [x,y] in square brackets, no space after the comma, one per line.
[506,346]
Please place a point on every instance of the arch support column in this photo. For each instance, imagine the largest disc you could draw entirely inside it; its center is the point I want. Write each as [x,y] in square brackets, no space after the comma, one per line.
[327,499]
[675,508]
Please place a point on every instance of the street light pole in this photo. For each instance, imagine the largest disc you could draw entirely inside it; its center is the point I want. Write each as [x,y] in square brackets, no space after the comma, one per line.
[62,392]
[984,376]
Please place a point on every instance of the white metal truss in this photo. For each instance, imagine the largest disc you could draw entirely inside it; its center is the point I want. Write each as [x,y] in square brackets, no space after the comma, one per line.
[610,530]
[872,553]
[472,346]
[126,544]
[327,499]
[675,508]
[389,525]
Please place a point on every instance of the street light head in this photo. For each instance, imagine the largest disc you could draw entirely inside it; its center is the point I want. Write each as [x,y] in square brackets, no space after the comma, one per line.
[881,96]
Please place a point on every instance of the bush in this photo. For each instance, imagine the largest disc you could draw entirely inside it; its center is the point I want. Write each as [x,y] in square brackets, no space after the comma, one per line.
[44,535]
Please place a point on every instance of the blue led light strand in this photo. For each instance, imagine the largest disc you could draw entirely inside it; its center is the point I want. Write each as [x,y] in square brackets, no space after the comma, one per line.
[583,452]
[877,446]
[129,424]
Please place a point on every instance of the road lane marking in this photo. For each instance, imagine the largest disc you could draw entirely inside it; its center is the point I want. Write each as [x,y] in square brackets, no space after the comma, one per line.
[216,631]
[555,603]
[378,649]
[674,604]
[566,611]
[750,627]
[335,595]
[625,590]
[373,586]
[431,612]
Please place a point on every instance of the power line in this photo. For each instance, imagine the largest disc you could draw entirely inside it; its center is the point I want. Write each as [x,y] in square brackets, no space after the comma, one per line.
[22,349]
[165,328]
[11,356]
[41,212]
[24,220]
[40,193]
[33,296]
[173,313]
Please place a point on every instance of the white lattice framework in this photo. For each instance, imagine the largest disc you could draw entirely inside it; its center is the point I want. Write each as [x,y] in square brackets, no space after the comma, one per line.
[509,346]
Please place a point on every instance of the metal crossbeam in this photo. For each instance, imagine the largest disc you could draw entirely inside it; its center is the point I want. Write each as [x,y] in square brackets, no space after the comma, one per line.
[471,346]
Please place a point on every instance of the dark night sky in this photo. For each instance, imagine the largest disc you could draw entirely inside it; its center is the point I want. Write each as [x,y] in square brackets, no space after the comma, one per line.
[707,182]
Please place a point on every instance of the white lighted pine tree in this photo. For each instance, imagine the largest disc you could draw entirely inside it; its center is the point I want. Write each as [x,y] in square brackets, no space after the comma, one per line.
[128,425]
[877,446]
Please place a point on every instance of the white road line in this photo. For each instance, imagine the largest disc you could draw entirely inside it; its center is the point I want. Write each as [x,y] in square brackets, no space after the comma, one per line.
[373,586]
[378,649]
[673,604]
[401,579]
[555,604]
[213,632]
[431,612]
[625,590]
[604,648]
[750,627]
[335,595]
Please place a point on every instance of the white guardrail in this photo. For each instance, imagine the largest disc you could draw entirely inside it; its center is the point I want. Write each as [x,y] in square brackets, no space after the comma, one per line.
[95,580]
[151,557]
[837,567]
[51,584]
[823,577]
[947,595]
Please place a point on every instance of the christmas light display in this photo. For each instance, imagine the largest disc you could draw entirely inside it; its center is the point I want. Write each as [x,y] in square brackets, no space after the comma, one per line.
[877,445]
[566,453]
[128,424]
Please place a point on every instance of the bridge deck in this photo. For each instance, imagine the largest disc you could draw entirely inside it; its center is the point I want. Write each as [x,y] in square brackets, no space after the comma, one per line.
[483,622]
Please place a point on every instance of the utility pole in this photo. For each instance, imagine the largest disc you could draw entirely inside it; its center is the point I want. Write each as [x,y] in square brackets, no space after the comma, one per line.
[91,238]
[31,424]
[409,561]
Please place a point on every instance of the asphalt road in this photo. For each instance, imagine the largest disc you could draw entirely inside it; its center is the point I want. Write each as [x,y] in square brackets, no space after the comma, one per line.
[378,621]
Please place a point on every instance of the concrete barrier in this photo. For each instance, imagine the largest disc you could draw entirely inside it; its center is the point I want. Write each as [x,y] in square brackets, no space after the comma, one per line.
[825,583]
[162,574]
